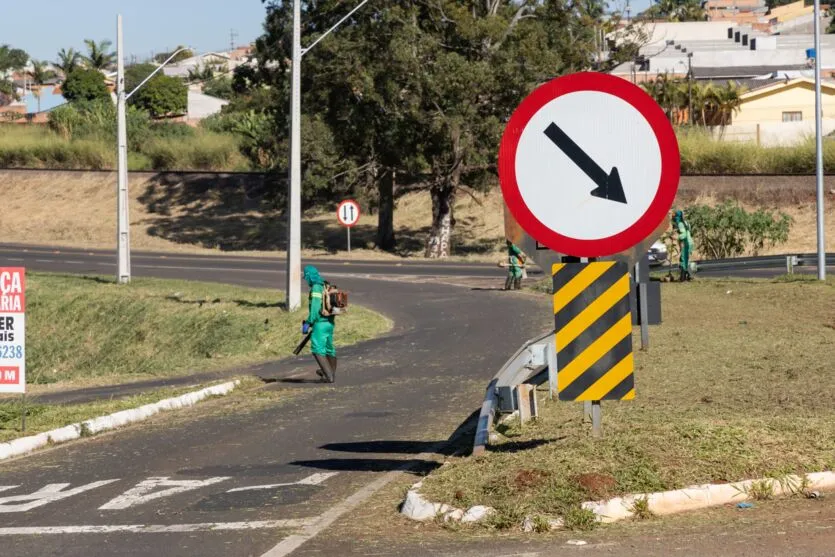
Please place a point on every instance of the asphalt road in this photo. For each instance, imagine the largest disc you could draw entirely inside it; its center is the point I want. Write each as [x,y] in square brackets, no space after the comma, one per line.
[270,478]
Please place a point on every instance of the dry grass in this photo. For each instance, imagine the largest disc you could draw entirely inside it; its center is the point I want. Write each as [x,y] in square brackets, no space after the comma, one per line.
[735,386]
[211,214]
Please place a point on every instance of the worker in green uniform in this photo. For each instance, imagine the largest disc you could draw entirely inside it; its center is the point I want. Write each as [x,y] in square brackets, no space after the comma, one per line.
[685,243]
[515,262]
[321,340]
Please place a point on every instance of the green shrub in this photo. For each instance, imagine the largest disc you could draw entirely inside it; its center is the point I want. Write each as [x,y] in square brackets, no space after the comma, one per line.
[728,230]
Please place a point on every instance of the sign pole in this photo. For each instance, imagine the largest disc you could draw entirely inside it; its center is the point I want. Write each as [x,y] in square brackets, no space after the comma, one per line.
[349,238]
[23,413]
[596,418]
[643,305]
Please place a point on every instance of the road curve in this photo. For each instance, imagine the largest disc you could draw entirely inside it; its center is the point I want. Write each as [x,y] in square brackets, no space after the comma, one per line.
[241,483]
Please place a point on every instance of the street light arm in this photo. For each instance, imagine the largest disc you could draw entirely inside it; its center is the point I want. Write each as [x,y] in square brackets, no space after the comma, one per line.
[153,73]
[332,29]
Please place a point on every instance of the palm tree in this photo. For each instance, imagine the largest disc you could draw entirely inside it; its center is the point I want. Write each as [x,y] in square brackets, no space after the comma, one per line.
[67,61]
[99,56]
[730,99]
[40,74]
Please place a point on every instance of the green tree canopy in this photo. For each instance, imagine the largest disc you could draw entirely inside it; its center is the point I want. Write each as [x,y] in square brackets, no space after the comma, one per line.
[161,96]
[415,94]
[12,58]
[85,85]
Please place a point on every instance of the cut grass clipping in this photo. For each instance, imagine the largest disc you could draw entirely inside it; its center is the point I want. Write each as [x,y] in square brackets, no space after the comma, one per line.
[82,329]
[735,386]
[46,417]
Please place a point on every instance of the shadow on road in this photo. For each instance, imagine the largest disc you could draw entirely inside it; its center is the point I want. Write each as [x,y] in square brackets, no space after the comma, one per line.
[460,442]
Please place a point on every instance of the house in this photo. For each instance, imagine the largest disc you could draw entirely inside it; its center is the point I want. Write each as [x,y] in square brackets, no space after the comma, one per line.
[790,100]
[781,112]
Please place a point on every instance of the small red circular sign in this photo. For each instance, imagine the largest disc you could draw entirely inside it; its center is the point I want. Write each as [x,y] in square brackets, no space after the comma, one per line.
[348,213]
[602,228]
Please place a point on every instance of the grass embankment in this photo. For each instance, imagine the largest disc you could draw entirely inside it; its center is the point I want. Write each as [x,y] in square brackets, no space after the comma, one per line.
[701,154]
[82,330]
[209,213]
[734,387]
[46,417]
[23,146]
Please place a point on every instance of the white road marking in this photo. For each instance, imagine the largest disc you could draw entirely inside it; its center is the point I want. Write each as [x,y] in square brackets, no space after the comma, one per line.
[146,491]
[44,496]
[44,261]
[74,262]
[313,479]
[156,528]
[15,259]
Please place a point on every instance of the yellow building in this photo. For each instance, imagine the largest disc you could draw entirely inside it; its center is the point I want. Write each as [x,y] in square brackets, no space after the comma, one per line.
[785,101]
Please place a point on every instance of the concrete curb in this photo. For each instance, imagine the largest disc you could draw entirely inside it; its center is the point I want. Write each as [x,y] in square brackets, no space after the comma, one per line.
[26,445]
[416,507]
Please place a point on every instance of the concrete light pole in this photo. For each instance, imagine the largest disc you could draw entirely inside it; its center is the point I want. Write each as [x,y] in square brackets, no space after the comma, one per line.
[294,220]
[122,209]
[122,216]
[819,143]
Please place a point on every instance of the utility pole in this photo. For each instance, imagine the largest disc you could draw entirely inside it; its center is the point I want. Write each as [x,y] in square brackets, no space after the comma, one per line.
[819,144]
[122,212]
[123,219]
[233,38]
[294,261]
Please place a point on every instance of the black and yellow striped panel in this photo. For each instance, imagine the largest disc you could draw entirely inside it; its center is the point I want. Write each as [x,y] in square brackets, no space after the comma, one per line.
[594,331]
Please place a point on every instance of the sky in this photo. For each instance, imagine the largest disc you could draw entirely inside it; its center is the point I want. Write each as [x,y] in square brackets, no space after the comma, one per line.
[43,27]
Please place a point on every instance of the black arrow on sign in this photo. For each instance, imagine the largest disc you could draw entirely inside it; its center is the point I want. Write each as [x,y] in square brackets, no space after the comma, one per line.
[608,185]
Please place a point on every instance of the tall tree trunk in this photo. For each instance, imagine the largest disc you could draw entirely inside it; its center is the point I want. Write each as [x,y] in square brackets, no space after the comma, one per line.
[385,215]
[442,221]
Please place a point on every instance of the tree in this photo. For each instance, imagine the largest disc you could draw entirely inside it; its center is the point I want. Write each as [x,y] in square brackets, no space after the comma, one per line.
[40,74]
[414,95]
[12,58]
[185,54]
[85,85]
[68,60]
[98,55]
[675,10]
[161,96]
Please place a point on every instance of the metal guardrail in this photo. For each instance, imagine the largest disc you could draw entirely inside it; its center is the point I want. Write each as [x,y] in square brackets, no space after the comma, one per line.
[787,261]
[529,366]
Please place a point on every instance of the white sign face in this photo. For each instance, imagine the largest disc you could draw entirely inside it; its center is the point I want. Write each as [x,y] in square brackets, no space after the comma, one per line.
[555,179]
[348,213]
[589,165]
[12,330]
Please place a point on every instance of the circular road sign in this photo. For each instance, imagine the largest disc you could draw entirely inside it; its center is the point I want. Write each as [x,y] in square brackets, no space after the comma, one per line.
[348,213]
[589,164]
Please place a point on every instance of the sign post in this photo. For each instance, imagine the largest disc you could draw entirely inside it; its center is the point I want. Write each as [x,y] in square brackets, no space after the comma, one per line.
[589,167]
[13,334]
[348,215]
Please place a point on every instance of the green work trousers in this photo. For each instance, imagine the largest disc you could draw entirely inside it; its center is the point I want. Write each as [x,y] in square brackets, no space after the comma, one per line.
[321,341]
[684,259]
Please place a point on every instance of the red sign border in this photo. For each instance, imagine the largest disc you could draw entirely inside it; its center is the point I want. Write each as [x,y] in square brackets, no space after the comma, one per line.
[667,143]
[339,210]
